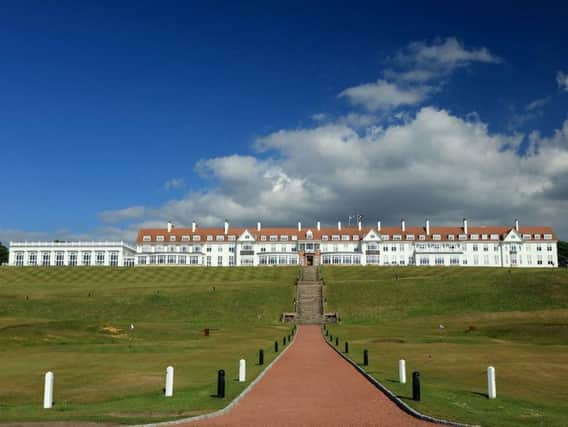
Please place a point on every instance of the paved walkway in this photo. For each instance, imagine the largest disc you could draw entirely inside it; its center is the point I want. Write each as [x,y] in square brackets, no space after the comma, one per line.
[311,385]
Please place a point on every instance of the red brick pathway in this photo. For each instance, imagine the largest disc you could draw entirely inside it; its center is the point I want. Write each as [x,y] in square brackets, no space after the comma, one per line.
[311,385]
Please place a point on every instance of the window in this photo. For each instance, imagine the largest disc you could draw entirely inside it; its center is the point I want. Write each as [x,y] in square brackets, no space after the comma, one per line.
[172,238]
[219,237]
[284,238]
[19,258]
[384,237]
[550,260]
[220,260]
[410,237]
[484,237]
[424,260]
[208,249]
[451,237]
[538,248]
[549,248]
[397,237]
[182,259]
[474,247]
[526,236]
[436,237]
[335,237]
[494,237]
[114,258]
[485,248]
[309,235]
[462,237]
[185,238]
[209,238]
[171,259]
[219,248]
[161,259]
[439,260]
[232,238]
[345,237]
[263,238]
[273,238]
[231,260]
[194,260]
[159,238]
[454,260]
[59,259]
[100,258]
[355,237]
[196,238]
[537,236]
[152,259]
[474,236]
[294,237]
[146,238]
[72,258]
[86,258]
[208,261]
[32,258]
[548,237]
[325,237]
[422,237]
[142,260]
[476,259]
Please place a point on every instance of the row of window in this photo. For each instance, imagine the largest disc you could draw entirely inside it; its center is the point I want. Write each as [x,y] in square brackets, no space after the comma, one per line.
[45,258]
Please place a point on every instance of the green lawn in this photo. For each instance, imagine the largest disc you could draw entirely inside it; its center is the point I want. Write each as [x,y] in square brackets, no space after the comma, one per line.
[76,323]
[516,321]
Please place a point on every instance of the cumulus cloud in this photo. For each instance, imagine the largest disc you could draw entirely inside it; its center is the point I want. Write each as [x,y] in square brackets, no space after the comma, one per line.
[415,73]
[562,80]
[432,164]
[173,183]
[112,216]
[382,95]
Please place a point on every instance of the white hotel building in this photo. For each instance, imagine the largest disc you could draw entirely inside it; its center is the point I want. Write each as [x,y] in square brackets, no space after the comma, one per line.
[515,246]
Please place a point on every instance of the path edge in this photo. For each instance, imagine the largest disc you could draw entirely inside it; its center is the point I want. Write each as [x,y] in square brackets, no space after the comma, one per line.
[231,404]
[393,397]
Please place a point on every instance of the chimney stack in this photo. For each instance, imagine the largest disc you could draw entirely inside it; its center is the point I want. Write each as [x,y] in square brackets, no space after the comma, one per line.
[170,226]
[258,226]
[299,226]
[318,225]
[339,225]
[379,226]
[193,227]
[359,225]
[427,226]
[465,225]
[226,227]
[517,225]
[403,225]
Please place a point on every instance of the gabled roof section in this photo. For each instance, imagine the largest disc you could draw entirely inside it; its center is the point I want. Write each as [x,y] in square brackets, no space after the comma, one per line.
[246,236]
[372,235]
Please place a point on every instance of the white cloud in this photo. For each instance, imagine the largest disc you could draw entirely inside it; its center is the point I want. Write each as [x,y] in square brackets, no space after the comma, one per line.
[432,164]
[383,95]
[111,216]
[537,104]
[173,183]
[562,80]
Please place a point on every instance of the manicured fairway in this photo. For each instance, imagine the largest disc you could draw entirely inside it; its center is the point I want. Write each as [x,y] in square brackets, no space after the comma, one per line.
[76,322]
[516,321]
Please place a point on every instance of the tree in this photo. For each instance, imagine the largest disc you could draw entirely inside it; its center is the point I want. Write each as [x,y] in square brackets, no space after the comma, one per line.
[3,254]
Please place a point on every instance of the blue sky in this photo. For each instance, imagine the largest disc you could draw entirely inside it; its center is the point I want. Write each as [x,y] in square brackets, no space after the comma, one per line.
[116,115]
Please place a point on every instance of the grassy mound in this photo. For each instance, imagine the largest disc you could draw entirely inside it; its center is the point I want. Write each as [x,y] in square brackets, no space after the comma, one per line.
[77,323]
[451,324]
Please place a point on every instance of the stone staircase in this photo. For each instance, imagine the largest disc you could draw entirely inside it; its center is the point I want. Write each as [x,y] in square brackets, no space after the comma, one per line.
[309,297]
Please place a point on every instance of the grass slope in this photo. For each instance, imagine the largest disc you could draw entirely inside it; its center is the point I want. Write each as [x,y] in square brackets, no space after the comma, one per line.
[76,322]
[516,321]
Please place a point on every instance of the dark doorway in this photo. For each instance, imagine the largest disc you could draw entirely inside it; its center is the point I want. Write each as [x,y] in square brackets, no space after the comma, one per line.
[310,259]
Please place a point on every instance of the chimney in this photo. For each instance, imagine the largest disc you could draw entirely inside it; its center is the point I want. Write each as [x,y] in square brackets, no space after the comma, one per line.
[258,226]
[379,226]
[299,226]
[403,225]
[318,225]
[193,227]
[465,225]
[226,227]
[170,226]
[359,226]
[517,225]
[339,225]
[427,226]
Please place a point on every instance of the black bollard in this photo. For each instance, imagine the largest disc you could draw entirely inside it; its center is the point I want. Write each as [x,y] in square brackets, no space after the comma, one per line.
[288,338]
[284,341]
[326,333]
[221,383]
[330,337]
[346,347]
[336,341]
[365,357]
[275,346]
[416,386]
[261,357]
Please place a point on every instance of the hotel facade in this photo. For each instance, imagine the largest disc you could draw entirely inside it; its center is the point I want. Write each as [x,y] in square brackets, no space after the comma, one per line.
[464,245]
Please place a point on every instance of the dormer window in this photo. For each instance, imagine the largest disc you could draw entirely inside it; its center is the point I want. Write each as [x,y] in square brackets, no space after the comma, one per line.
[196,238]
[345,237]
[494,237]
[422,237]
[159,238]
[436,237]
[232,238]
[209,238]
[273,238]
[451,237]
[526,236]
[537,236]
[463,236]
[294,237]
[219,237]
[283,238]
[410,237]
[172,238]
[309,235]
[385,237]
[185,238]
[474,236]
[355,237]
[325,237]
[397,237]
[548,237]
[334,237]
[263,238]
[146,238]
[484,237]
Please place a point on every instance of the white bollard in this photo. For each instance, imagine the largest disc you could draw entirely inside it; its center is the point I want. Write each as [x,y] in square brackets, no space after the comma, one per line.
[242,370]
[402,371]
[48,391]
[169,392]
[491,389]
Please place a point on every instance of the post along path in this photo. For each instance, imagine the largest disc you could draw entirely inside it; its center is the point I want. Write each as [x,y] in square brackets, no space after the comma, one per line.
[311,385]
